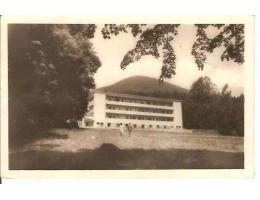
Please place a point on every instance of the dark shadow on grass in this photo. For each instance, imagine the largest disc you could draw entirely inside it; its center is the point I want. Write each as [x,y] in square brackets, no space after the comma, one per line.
[110,157]
[19,140]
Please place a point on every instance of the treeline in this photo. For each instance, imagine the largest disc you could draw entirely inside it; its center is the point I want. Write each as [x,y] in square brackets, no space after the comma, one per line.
[51,70]
[206,108]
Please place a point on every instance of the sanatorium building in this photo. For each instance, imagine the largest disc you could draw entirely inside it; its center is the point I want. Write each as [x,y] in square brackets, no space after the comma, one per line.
[109,110]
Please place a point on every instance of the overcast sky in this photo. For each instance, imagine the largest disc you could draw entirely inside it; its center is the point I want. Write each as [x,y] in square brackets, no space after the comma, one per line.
[111,53]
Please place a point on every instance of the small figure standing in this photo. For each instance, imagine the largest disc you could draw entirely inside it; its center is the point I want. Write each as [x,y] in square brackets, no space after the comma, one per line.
[129,128]
[121,130]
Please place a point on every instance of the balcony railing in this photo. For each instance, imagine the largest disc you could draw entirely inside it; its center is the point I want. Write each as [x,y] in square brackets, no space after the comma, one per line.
[138,113]
[138,104]
[138,117]
[140,101]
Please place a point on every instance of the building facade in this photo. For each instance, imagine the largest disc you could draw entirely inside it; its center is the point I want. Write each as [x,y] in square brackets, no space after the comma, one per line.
[107,109]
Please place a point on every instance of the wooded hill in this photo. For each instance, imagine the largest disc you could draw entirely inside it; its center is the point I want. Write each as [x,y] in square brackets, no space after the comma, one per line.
[146,86]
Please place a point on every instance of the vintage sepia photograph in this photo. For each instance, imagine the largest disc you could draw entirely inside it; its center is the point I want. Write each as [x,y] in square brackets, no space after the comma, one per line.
[127,96]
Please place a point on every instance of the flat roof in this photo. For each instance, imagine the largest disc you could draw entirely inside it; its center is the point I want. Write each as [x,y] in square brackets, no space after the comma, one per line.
[135,96]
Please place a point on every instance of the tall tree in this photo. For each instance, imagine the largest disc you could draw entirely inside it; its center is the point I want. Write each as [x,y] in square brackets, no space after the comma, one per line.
[206,108]
[230,112]
[200,105]
[51,69]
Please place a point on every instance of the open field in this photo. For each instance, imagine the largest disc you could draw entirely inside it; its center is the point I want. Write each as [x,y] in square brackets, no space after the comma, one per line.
[106,149]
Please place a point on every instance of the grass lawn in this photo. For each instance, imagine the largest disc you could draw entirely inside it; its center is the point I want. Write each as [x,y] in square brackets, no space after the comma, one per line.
[97,149]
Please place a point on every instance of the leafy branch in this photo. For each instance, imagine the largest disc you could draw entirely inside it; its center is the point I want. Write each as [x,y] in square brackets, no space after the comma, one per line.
[156,40]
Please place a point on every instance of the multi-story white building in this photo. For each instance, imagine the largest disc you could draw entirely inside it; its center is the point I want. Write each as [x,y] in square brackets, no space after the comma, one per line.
[107,109]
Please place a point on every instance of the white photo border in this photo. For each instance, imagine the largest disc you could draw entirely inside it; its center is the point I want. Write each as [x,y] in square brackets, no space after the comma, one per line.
[247,172]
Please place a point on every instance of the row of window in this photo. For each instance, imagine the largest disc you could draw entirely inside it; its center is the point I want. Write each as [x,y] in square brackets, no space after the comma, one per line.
[138,109]
[137,125]
[136,117]
[135,100]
